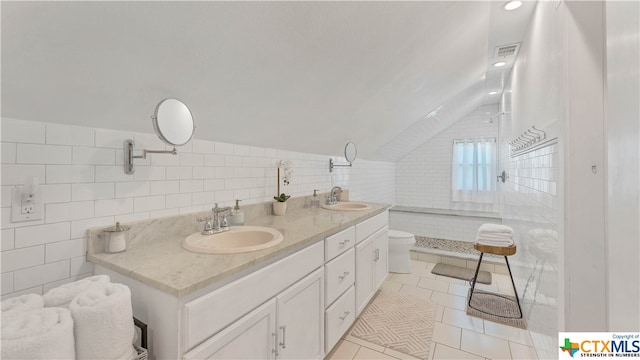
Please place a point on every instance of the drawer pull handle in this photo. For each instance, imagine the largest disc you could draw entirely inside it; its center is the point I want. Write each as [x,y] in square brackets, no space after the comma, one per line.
[342,243]
[284,334]
[344,316]
[344,275]
[377,257]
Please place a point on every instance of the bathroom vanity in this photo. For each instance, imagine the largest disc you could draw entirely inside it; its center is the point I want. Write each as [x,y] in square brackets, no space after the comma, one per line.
[294,300]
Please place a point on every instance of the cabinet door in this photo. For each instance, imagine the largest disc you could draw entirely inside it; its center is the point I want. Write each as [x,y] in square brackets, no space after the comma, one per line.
[364,273]
[381,256]
[251,337]
[301,319]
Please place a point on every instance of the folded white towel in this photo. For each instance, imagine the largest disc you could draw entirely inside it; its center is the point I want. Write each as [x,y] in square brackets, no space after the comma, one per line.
[494,228]
[496,236]
[45,333]
[62,295]
[491,242]
[22,303]
[103,322]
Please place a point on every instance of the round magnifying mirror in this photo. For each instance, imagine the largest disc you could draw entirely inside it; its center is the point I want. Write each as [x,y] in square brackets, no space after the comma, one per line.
[350,152]
[173,122]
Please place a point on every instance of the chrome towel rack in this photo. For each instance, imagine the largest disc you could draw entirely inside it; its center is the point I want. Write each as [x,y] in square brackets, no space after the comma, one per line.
[530,140]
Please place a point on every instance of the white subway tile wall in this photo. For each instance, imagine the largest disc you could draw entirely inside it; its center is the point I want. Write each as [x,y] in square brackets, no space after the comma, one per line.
[84,185]
[423,179]
[531,206]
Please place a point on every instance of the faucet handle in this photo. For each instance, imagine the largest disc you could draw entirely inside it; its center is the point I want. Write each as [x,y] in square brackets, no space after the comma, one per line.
[224,223]
[208,225]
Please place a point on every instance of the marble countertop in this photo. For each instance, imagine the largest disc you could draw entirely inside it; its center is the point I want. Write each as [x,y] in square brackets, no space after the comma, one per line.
[158,259]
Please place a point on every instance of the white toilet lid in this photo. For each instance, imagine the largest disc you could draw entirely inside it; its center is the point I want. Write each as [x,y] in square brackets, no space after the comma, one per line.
[397,234]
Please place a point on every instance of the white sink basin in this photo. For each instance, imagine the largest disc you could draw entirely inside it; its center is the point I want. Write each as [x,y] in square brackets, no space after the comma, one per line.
[347,206]
[237,240]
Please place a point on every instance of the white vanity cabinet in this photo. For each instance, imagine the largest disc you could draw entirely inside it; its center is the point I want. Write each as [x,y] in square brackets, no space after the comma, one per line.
[372,258]
[287,327]
[246,318]
[356,265]
[297,306]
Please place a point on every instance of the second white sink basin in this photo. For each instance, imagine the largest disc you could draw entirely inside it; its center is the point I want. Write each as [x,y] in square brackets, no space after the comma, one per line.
[237,240]
[347,206]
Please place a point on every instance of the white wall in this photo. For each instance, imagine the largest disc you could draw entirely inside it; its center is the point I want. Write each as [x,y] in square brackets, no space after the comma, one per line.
[83,185]
[584,235]
[623,164]
[423,177]
[578,245]
[532,195]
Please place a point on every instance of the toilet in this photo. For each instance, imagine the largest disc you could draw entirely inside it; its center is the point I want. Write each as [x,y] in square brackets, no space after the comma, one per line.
[400,244]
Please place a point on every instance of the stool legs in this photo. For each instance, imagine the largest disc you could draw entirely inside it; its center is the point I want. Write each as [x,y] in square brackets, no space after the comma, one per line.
[514,286]
[475,278]
[473,285]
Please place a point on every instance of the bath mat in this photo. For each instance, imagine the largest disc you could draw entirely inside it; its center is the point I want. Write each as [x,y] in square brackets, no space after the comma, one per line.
[484,277]
[399,322]
[497,305]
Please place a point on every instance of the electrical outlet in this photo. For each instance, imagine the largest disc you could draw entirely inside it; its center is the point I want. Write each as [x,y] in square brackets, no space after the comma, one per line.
[25,211]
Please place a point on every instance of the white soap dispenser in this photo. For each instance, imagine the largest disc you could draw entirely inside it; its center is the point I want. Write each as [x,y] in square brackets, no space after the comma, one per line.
[237,215]
[315,200]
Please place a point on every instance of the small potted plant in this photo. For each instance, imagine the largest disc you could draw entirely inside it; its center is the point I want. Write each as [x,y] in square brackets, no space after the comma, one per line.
[280,204]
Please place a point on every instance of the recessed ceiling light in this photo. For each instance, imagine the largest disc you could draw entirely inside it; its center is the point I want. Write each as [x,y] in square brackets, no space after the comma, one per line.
[512,5]
[493,92]
[500,64]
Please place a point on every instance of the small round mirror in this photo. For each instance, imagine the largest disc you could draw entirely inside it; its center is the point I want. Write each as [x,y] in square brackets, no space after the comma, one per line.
[173,122]
[350,152]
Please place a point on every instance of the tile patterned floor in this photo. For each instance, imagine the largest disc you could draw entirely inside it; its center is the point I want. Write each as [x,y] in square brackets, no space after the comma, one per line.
[456,335]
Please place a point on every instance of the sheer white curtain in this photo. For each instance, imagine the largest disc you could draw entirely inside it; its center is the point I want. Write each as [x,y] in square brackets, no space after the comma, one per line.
[473,175]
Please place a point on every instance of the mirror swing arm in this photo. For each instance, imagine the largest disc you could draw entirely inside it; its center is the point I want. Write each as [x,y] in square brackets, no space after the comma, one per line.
[129,156]
[332,165]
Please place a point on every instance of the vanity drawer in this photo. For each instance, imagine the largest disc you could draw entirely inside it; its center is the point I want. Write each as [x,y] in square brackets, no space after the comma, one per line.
[338,243]
[339,275]
[339,317]
[371,225]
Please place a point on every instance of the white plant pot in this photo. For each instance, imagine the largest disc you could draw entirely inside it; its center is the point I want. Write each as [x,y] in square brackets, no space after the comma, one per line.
[279,208]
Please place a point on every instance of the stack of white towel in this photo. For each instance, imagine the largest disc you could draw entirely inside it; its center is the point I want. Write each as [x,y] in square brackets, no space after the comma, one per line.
[91,318]
[494,235]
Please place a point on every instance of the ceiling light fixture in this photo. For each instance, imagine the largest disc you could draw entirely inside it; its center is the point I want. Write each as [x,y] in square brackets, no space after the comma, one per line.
[512,5]
[493,93]
[500,64]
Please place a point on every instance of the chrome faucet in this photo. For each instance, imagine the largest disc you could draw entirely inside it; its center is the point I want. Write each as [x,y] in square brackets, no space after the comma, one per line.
[220,222]
[332,198]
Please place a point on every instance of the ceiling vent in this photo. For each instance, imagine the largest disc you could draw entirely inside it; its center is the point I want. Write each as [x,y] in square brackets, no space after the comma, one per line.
[506,50]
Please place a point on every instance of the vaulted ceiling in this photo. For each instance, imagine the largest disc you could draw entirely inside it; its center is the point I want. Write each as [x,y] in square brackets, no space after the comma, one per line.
[302,76]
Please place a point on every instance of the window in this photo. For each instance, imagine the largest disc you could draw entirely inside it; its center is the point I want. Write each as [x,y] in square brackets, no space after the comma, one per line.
[473,175]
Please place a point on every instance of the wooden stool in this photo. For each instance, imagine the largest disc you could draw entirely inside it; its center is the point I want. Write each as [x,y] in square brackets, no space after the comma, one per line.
[496,250]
